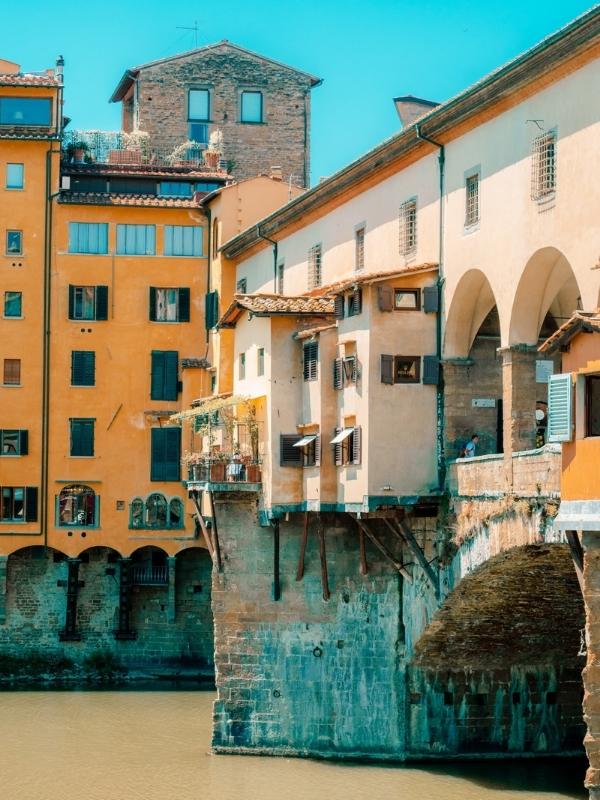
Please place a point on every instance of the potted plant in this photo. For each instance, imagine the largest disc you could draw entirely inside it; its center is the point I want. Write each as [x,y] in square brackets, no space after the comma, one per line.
[76,151]
[217,467]
[214,151]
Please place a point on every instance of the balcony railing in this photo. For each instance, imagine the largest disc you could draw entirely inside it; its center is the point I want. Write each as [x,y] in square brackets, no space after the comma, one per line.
[150,576]
[233,471]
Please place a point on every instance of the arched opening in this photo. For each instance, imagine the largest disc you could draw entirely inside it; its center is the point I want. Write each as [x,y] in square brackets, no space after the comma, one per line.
[473,368]
[156,512]
[77,506]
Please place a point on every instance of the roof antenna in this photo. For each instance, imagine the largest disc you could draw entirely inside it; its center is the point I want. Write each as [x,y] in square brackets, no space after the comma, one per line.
[195,29]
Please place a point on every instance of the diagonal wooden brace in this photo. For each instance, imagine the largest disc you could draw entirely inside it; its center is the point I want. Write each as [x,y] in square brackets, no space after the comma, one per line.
[409,537]
[203,527]
[383,549]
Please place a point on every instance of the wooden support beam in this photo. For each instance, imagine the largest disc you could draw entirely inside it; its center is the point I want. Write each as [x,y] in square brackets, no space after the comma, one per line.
[323,555]
[362,543]
[397,533]
[203,528]
[432,575]
[384,549]
[300,570]
[215,534]
[276,576]
[577,555]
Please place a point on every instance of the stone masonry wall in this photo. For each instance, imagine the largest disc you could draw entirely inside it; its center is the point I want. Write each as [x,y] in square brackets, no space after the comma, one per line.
[283,139]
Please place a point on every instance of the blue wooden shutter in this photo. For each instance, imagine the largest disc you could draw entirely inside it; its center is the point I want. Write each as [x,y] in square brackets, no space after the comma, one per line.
[560,408]
[157,454]
[83,368]
[163,381]
[184,305]
[101,302]
[211,311]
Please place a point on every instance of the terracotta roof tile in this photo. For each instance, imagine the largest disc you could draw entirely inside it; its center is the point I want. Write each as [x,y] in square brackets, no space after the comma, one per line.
[275,305]
[587,321]
[145,170]
[106,199]
[22,132]
[370,277]
[20,79]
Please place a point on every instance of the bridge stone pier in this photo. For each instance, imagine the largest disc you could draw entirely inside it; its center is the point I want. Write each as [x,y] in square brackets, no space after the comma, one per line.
[482,661]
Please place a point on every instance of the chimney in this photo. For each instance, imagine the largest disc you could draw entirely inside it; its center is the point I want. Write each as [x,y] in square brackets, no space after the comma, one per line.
[276,174]
[411,108]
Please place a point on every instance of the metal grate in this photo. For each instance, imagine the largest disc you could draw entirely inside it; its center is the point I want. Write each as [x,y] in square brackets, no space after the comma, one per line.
[408,227]
[359,261]
[314,266]
[543,165]
[472,200]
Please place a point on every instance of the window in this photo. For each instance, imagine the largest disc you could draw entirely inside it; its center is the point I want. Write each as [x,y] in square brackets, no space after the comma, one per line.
[355,303]
[83,368]
[13,304]
[242,366]
[88,302]
[78,506]
[400,369]
[472,199]
[156,513]
[252,107]
[345,371]
[311,356]
[88,237]
[165,454]
[206,186]
[543,166]
[280,269]
[163,382]
[175,189]
[25,111]
[407,299]
[592,405]
[15,176]
[82,437]
[310,449]
[359,249]
[289,454]
[13,504]
[213,384]
[408,227]
[183,240]
[199,105]
[14,243]
[12,372]
[260,361]
[347,446]
[14,443]
[197,132]
[211,309]
[314,266]
[242,286]
[136,240]
[169,305]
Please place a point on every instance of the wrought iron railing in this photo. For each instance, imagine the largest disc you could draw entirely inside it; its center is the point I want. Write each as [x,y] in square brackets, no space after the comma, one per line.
[212,470]
[150,576]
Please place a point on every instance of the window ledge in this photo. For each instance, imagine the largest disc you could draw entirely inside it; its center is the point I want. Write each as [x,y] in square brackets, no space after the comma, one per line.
[249,122]
[13,522]
[4,316]
[12,385]
[472,228]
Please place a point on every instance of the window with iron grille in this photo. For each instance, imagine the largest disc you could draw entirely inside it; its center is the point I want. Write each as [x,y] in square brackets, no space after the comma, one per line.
[543,165]
[280,269]
[359,249]
[12,372]
[314,266]
[408,227]
[311,356]
[472,199]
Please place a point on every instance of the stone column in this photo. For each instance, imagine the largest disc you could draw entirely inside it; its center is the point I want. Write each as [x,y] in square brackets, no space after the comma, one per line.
[591,673]
[458,394]
[171,611]
[124,629]
[70,633]
[519,392]
[3,568]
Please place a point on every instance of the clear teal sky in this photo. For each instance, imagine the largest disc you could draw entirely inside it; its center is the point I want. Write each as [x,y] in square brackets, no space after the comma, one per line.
[366,52]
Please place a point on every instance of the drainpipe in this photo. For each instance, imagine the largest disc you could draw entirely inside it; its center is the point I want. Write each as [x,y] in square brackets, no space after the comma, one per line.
[441,466]
[209,269]
[274,243]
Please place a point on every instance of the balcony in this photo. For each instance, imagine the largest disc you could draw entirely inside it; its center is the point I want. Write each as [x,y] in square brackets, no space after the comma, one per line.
[225,474]
[150,576]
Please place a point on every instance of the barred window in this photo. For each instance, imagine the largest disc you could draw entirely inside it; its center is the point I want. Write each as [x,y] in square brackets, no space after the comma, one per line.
[408,227]
[472,199]
[543,165]
[359,240]
[314,266]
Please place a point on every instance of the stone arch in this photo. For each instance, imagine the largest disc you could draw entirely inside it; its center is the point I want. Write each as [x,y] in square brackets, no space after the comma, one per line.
[472,302]
[547,286]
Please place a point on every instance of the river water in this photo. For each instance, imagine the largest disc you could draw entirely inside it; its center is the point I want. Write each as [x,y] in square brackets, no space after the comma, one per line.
[126,745]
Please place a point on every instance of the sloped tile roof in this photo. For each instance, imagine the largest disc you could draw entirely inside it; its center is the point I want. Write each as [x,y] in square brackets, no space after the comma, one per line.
[106,199]
[144,170]
[581,321]
[23,132]
[27,79]
[359,279]
[308,333]
[275,305]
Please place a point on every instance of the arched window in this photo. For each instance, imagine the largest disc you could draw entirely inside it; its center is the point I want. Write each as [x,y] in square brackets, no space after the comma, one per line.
[77,506]
[137,513]
[175,513]
[156,511]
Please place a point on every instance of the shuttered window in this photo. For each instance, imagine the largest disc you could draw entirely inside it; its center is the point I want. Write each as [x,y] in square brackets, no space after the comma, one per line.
[592,405]
[290,456]
[82,437]
[359,249]
[431,370]
[385,298]
[431,299]
[83,368]
[169,305]
[14,442]
[211,309]
[18,503]
[88,302]
[355,445]
[163,381]
[311,357]
[338,374]
[165,454]
[560,408]
[339,306]
[88,237]
[136,240]
[387,369]
[183,240]
[355,303]
[405,369]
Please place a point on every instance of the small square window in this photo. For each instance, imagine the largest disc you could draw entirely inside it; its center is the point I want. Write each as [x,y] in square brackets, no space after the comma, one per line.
[407,299]
[12,372]
[15,175]
[13,304]
[252,107]
[14,243]
[260,366]
[407,369]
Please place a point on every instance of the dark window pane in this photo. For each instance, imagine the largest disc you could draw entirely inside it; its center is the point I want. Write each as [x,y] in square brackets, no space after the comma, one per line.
[25,111]
[14,242]
[12,304]
[593,406]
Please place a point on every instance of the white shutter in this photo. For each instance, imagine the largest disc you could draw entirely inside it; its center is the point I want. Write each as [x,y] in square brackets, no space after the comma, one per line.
[560,408]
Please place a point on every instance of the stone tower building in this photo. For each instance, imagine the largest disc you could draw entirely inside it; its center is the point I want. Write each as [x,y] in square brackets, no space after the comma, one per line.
[261,106]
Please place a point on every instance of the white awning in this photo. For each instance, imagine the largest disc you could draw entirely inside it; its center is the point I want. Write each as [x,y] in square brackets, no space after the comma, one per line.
[339,437]
[305,440]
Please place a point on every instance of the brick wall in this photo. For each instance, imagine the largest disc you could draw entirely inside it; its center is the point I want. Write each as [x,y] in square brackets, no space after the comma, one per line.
[252,149]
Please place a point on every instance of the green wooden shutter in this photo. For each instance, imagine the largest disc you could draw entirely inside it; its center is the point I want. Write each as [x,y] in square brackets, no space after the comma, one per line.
[71,302]
[339,306]
[87,438]
[152,304]
[356,445]
[157,454]
[31,503]
[560,408]
[23,443]
[338,374]
[83,368]
[171,385]
[184,305]
[163,381]
[172,454]
[387,369]
[211,309]
[101,302]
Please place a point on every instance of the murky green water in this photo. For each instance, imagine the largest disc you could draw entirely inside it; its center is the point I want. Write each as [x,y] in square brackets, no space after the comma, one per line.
[154,746]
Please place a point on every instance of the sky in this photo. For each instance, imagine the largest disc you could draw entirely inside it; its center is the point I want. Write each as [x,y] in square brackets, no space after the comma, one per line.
[365,52]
